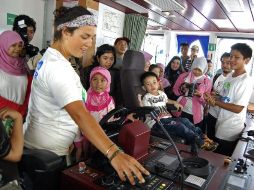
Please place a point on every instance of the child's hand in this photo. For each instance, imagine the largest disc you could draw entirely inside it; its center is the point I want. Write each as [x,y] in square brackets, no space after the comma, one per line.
[10,113]
[131,117]
[140,100]
[178,106]
[209,99]
[197,93]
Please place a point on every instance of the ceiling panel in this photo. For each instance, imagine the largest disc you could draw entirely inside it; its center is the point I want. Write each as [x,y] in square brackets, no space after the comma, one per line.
[198,15]
[243,21]
[212,10]
[194,16]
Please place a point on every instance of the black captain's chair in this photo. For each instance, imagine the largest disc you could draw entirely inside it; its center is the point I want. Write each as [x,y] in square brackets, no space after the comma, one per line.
[132,69]
[40,169]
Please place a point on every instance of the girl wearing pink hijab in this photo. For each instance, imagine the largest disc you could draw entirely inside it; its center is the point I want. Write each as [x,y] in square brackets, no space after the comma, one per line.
[98,103]
[15,85]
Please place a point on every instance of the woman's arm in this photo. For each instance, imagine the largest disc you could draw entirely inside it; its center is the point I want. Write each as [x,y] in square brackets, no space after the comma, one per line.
[17,138]
[124,164]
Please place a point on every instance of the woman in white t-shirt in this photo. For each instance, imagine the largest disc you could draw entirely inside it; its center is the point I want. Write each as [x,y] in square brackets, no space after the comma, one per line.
[56,109]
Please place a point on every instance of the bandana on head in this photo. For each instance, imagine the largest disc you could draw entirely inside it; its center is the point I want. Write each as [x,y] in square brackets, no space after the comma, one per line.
[11,65]
[84,20]
[99,101]
[200,63]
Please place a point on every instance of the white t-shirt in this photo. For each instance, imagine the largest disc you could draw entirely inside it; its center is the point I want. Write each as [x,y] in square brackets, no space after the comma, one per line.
[155,101]
[13,87]
[237,91]
[55,85]
[217,87]
[252,96]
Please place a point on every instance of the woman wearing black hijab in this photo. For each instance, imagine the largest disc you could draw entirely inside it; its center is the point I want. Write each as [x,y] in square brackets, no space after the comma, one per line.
[172,71]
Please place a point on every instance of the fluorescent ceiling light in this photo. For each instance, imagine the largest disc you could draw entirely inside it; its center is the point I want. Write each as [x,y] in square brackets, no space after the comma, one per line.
[166,5]
[131,5]
[233,5]
[168,15]
[222,23]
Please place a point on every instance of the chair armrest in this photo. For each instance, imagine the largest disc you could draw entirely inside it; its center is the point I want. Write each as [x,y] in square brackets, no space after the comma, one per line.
[40,159]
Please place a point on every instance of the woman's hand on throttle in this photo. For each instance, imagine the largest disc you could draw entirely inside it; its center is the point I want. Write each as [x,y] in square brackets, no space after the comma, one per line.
[127,166]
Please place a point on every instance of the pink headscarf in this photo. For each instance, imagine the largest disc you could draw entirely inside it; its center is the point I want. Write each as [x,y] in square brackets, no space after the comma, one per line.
[161,66]
[147,56]
[98,101]
[11,65]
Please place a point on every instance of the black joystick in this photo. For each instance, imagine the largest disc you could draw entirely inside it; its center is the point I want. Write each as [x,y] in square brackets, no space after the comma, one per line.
[147,177]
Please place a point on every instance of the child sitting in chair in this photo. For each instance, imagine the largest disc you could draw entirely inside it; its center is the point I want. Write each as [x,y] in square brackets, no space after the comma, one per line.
[180,127]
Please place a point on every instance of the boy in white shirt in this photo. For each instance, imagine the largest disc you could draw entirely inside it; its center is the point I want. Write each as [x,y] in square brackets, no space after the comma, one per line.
[218,81]
[180,127]
[233,100]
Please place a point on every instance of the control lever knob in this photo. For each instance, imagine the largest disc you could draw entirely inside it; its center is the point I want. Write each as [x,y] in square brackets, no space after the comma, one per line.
[238,169]
[147,177]
[240,162]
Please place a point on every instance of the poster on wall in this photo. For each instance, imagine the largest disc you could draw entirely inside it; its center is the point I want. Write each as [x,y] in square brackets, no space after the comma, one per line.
[70,3]
[111,22]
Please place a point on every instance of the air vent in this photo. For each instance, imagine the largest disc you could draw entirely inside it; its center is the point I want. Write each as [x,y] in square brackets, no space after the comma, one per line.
[233,5]
[166,5]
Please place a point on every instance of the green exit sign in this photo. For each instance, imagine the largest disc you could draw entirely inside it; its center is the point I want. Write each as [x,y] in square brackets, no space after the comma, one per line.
[211,47]
[10,18]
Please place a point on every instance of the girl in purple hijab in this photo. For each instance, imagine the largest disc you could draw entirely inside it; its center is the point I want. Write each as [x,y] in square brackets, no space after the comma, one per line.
[11,45]
[15,84]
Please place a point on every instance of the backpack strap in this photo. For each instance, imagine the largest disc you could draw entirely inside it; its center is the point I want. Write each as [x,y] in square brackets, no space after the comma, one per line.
[215,77]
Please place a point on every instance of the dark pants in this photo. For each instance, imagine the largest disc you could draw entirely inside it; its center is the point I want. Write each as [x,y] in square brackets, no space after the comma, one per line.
[225,147]
[190,117]
[182,127]
[210,126]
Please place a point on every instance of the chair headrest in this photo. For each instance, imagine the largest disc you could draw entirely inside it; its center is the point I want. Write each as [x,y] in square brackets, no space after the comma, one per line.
[133,60]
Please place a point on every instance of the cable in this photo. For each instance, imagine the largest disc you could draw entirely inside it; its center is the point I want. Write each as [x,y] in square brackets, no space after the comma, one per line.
[154,115]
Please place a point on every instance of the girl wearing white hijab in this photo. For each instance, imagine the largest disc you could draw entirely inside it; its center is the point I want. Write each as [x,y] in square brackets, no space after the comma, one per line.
[193,103]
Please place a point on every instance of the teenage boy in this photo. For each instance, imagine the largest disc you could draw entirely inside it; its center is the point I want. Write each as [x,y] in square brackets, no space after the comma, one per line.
[233,100]
[184,57]
[218,80]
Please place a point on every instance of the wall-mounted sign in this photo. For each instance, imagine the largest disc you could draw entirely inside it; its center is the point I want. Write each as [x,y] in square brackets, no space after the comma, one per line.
[211,47]
[10,18]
